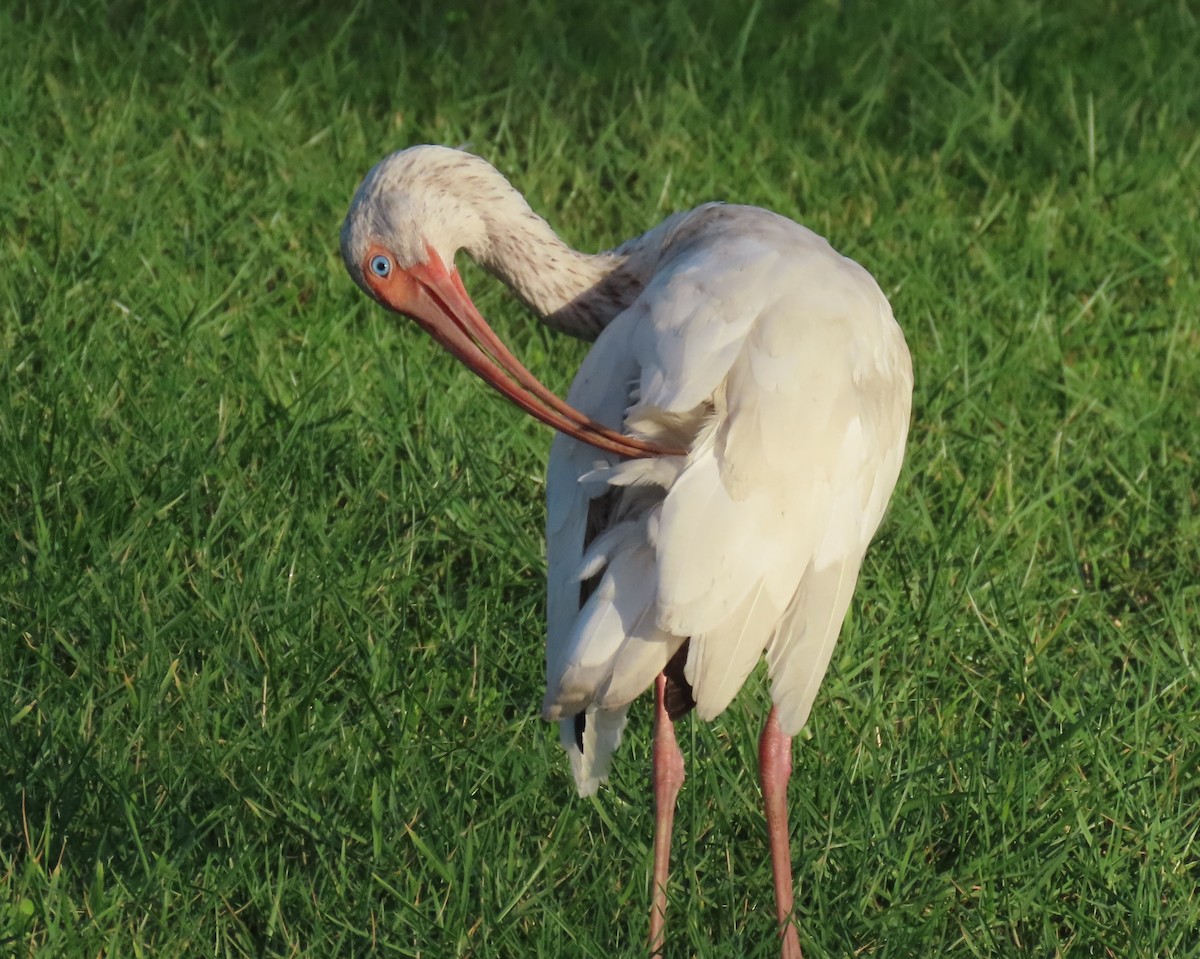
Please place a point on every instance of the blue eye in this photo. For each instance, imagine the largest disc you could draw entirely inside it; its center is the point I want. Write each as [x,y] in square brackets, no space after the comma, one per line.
[381,265]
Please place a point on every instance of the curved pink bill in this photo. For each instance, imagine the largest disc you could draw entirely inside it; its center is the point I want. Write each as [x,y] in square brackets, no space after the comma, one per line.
[436,299]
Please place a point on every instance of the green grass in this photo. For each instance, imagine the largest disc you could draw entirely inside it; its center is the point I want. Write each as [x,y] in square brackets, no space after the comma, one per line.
[271,594]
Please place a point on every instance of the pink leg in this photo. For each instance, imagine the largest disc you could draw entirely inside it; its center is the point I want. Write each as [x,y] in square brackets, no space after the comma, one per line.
[668,777]
[775,767]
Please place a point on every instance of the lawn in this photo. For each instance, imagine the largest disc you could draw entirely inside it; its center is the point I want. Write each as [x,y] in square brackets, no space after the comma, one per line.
[271,608]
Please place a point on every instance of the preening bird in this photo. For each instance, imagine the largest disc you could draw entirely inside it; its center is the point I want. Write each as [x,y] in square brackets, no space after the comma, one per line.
[724,456]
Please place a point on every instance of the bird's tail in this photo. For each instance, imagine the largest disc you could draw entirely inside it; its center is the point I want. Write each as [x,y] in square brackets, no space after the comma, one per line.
[590,740]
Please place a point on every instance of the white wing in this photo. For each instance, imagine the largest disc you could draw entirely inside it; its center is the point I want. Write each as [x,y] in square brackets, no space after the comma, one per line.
[599,650]
[780,361]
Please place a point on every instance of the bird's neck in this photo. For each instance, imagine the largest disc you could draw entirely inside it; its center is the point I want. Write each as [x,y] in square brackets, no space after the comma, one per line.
[573,292]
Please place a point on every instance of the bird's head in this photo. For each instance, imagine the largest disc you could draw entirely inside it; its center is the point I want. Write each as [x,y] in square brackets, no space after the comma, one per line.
[408,219]
[410,216]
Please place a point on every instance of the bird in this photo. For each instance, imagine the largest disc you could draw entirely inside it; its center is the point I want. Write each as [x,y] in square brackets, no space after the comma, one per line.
[724,456]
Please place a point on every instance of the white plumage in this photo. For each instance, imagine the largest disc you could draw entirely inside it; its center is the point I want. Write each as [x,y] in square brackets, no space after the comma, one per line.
[779,363]
[725,455]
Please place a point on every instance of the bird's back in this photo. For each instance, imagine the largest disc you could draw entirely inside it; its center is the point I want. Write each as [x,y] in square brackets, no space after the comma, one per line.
[777,363]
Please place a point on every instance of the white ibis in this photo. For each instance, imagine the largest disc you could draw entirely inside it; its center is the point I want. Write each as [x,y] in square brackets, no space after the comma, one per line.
[724,456]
